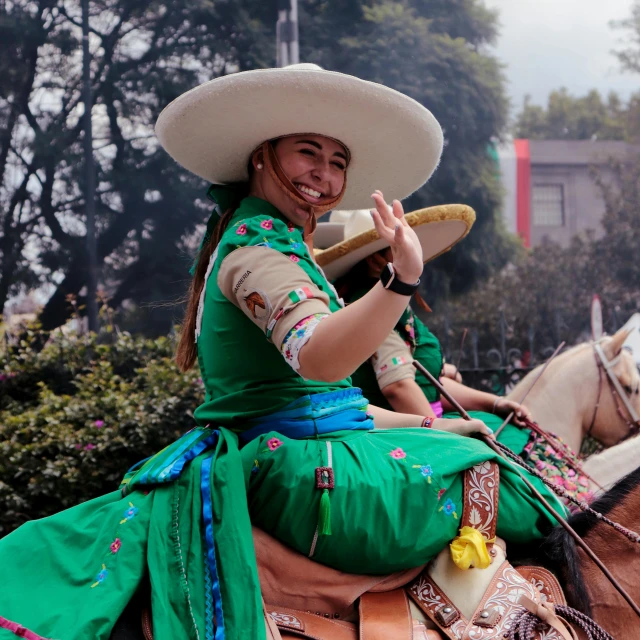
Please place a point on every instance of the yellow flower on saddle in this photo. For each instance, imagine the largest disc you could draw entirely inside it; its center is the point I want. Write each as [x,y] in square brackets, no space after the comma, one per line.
[469,549]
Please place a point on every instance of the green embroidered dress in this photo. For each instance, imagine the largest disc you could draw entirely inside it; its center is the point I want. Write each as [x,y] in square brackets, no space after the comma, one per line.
[183,516]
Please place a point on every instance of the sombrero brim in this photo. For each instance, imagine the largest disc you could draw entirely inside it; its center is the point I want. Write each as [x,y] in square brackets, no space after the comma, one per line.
[328,234]
[438,228]
[395,142]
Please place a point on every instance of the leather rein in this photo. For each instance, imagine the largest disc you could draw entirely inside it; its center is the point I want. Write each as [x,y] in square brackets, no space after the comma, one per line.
[620,397]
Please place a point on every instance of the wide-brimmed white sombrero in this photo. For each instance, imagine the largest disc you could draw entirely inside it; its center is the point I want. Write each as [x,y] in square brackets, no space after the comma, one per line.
[395,142]
[438,228]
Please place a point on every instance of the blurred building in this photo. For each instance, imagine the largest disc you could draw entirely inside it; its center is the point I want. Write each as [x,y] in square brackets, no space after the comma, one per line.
[550,190]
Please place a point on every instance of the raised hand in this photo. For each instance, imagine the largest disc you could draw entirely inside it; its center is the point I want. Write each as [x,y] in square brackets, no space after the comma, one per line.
[405,245]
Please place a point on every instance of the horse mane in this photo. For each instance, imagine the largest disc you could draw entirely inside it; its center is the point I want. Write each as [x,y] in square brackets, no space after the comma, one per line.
[560,549]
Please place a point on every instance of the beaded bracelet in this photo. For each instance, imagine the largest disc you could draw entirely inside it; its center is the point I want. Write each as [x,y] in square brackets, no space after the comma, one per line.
[427,422]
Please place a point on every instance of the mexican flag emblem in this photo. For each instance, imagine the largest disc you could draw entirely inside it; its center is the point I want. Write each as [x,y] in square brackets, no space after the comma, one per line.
[398,361]
[298,295]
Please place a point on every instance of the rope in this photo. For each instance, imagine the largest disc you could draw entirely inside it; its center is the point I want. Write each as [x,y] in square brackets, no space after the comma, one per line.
[525,627]
[563,493]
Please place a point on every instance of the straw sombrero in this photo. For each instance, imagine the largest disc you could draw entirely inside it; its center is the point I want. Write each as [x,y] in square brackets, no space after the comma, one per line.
[395,142]
[438,228]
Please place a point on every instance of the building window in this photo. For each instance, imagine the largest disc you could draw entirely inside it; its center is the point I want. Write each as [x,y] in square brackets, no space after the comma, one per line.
[548,205]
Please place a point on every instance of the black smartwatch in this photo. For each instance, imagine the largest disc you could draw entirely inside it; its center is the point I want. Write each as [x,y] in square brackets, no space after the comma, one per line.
[391,282]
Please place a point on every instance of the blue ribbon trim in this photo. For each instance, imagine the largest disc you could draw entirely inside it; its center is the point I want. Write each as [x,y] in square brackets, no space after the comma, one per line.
[343,410]
[207,516]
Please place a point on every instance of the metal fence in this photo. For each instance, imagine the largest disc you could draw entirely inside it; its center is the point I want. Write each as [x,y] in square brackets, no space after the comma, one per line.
[496,360]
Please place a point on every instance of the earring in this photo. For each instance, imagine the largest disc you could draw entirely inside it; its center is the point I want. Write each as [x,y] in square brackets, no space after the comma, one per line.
[259,165]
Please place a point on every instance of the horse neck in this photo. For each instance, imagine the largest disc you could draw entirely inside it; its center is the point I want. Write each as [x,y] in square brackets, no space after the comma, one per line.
[620,555]
[563,398]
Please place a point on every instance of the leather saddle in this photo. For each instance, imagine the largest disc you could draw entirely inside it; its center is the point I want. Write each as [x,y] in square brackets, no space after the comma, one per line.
[304,599]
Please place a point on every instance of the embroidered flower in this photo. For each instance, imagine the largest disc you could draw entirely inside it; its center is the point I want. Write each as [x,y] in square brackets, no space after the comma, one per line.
[398,454]
[99,424]
[449,507]
[425,470]
[256,468]
[290,227]
[274,443]
[294,258]
[294,245]
[101,577]
[242,230]
[267,224]
[130,513]
[115,545]
[441,493]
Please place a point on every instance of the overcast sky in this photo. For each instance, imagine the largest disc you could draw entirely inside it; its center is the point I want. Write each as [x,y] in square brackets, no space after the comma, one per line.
[547,44]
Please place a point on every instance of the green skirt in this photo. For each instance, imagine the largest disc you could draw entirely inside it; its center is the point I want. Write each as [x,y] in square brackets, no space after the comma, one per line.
[397,500]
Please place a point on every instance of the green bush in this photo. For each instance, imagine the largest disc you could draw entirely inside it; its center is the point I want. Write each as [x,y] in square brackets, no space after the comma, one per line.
[75,415]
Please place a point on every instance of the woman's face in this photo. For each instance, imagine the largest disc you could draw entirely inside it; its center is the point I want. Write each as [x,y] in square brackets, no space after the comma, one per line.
[315,165]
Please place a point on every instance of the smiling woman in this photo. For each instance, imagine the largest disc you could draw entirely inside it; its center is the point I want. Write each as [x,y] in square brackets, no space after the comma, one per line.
[283,440]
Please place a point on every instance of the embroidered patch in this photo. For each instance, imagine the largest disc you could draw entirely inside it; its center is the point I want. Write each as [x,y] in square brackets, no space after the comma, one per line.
[449,507]
[101,577]
[298,295]
[274,443]
[398,454]
[267,224]
[258,305]
[245,275]
[398,361]
[425,470]
[130,513]
[324,478]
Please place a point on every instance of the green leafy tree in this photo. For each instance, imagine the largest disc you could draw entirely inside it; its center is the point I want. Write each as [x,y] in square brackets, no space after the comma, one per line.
[148,209]
[435,52]
[578,118]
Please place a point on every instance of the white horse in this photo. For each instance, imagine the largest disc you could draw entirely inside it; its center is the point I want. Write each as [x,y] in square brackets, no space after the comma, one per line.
[575,397]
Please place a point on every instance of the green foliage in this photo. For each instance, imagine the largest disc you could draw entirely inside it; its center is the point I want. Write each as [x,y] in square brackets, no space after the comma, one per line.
[77,414]
[435,52]
[148,209]
[580,118]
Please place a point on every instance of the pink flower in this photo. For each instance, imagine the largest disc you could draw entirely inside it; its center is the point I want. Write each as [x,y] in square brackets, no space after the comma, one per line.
[294,258]
[90,446]
[267,224]
[241,230]
[99,424]
[274,443]
[398,454]
[115,545]
[290,227]
[441,493]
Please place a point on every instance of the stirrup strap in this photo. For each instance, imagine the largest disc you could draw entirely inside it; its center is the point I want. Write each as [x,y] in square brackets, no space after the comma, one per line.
[385,616]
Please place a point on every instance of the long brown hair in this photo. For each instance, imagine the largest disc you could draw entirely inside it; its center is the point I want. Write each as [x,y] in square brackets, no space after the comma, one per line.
[187,350]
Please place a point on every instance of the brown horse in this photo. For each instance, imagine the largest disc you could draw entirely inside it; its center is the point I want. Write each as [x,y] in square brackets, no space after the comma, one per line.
[586,588]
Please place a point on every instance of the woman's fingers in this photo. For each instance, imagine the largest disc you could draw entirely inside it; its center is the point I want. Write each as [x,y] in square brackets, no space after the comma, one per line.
[382,208]
[383,231]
